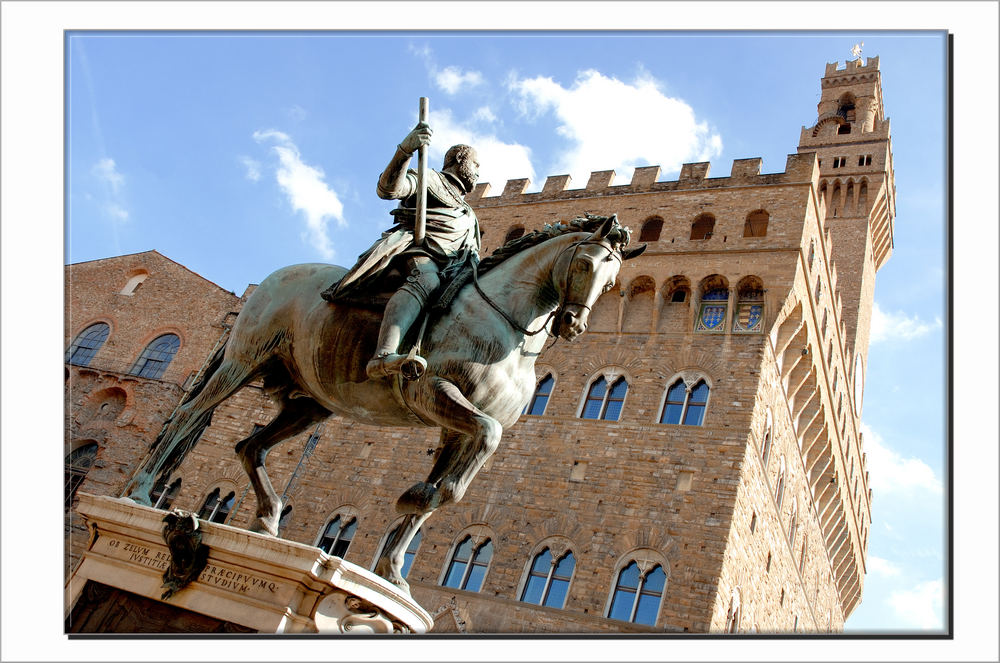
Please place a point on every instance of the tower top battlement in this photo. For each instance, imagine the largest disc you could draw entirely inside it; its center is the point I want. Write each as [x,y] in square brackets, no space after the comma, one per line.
[851,67]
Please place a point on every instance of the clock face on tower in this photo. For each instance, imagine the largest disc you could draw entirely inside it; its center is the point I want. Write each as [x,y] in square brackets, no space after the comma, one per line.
[859,385]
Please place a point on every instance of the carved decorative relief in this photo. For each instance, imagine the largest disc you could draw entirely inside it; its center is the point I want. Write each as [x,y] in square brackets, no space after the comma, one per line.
[343,613]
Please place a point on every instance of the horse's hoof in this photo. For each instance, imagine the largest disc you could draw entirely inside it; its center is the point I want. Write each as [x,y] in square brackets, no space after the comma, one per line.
[264,526]
[419,499]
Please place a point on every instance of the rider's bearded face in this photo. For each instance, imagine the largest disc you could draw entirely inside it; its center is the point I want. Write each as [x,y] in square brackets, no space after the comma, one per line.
[467,170]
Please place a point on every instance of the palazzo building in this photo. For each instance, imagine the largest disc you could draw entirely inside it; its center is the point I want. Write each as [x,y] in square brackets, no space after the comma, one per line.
[693,463]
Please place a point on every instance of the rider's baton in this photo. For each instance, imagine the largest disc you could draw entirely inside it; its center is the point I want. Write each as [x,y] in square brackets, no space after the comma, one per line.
[421,221]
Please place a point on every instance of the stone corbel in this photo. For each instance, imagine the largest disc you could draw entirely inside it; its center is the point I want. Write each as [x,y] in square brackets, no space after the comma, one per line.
[344,613]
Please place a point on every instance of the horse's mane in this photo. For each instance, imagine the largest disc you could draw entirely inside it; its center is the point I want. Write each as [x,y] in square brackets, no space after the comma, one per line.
[587,223]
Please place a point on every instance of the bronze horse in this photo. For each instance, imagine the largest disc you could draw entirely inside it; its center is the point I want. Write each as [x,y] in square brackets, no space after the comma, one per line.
[480,354]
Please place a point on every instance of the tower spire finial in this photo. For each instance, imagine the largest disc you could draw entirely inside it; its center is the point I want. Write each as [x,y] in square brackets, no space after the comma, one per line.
[856,50]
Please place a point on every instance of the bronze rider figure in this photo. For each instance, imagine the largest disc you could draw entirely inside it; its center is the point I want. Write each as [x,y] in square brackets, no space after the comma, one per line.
[451,240]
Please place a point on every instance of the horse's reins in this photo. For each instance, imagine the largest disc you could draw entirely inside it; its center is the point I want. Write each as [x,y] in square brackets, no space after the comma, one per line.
[562,304]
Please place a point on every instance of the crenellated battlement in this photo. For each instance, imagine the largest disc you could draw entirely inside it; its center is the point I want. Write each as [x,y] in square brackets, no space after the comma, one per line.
[799,168]
[851,67]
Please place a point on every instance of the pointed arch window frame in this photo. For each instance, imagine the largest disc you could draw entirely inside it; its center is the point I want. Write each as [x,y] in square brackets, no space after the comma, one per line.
[540,399]
[553,574]
[673,402]
[610,400]
[338,543]
[469,565]
[645,568]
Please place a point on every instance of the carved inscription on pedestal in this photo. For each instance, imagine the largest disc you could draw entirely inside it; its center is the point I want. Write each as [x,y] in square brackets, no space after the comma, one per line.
[235,580]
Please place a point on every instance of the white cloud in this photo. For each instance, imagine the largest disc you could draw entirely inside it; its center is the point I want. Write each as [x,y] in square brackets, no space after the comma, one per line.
[920,606]
[499,161]
[116,211]
[898,326]
[252,168]
[892,473]
[611,124]
[882,567]
[107,172]
[452,79]
[306,190]
[484,114]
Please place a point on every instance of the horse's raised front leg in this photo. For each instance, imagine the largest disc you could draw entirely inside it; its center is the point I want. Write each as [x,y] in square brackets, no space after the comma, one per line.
[295,416]
[469,438]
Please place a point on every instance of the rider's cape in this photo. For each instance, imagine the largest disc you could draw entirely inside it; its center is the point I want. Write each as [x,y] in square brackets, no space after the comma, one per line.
[451,237]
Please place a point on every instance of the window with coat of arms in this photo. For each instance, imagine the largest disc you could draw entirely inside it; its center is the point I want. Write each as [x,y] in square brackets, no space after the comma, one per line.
[748,318]
[714,302]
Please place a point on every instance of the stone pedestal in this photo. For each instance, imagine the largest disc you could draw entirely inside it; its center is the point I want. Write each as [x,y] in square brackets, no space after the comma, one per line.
[250,583]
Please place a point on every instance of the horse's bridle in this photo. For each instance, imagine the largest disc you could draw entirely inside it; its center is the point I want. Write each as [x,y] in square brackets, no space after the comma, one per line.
[565,289]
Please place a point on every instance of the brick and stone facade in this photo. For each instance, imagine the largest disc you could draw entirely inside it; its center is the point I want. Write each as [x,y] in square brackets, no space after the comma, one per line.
[758,516]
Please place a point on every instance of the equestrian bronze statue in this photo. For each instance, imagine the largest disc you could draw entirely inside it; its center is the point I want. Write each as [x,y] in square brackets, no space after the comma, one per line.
[478,343]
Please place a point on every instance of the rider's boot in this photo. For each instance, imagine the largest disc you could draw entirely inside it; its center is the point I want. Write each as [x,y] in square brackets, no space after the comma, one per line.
[400,313]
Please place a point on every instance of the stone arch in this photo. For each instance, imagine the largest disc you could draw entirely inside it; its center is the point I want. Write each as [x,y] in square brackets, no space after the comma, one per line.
[863,197]
[639,305]
[136,277]
[106,404]
[675,306]
[835,199]
[703,226]
[849,202]
[651,229]
[756,223]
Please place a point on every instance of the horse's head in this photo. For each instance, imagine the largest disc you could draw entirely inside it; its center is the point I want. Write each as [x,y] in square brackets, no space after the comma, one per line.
[593,267]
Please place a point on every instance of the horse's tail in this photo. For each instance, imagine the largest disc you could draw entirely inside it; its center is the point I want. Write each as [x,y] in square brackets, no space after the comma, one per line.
[177,449]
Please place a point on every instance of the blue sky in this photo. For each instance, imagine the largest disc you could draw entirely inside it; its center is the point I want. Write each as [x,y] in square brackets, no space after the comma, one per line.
[236,154]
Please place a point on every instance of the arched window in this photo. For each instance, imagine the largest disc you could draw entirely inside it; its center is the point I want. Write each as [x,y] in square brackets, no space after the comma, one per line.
[514,233]
[153,361]
[604,403]
[78,463]
[134,283]
[683,405]
[734,613]
[779,486]
[469,564]
[802,556]
[216,508]
[651,230]
[749,317]
[548,579]
[714,303]
[756,224]
[162,495]
[812,253]
[411,549]
[846,108]
[337,535]
[87,343]
[541,397]
[765,447]
[703,226]
[637,595]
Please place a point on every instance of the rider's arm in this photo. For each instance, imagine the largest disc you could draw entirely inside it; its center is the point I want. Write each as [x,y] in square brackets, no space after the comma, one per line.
[394,184]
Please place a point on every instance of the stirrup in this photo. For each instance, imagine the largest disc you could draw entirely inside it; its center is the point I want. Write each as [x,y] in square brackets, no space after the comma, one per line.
[410,366]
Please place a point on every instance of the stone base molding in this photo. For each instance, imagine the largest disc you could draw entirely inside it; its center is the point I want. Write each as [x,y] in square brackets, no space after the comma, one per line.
[250,581]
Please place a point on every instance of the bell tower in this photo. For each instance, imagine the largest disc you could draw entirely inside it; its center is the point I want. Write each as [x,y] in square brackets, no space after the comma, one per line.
[857,191]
